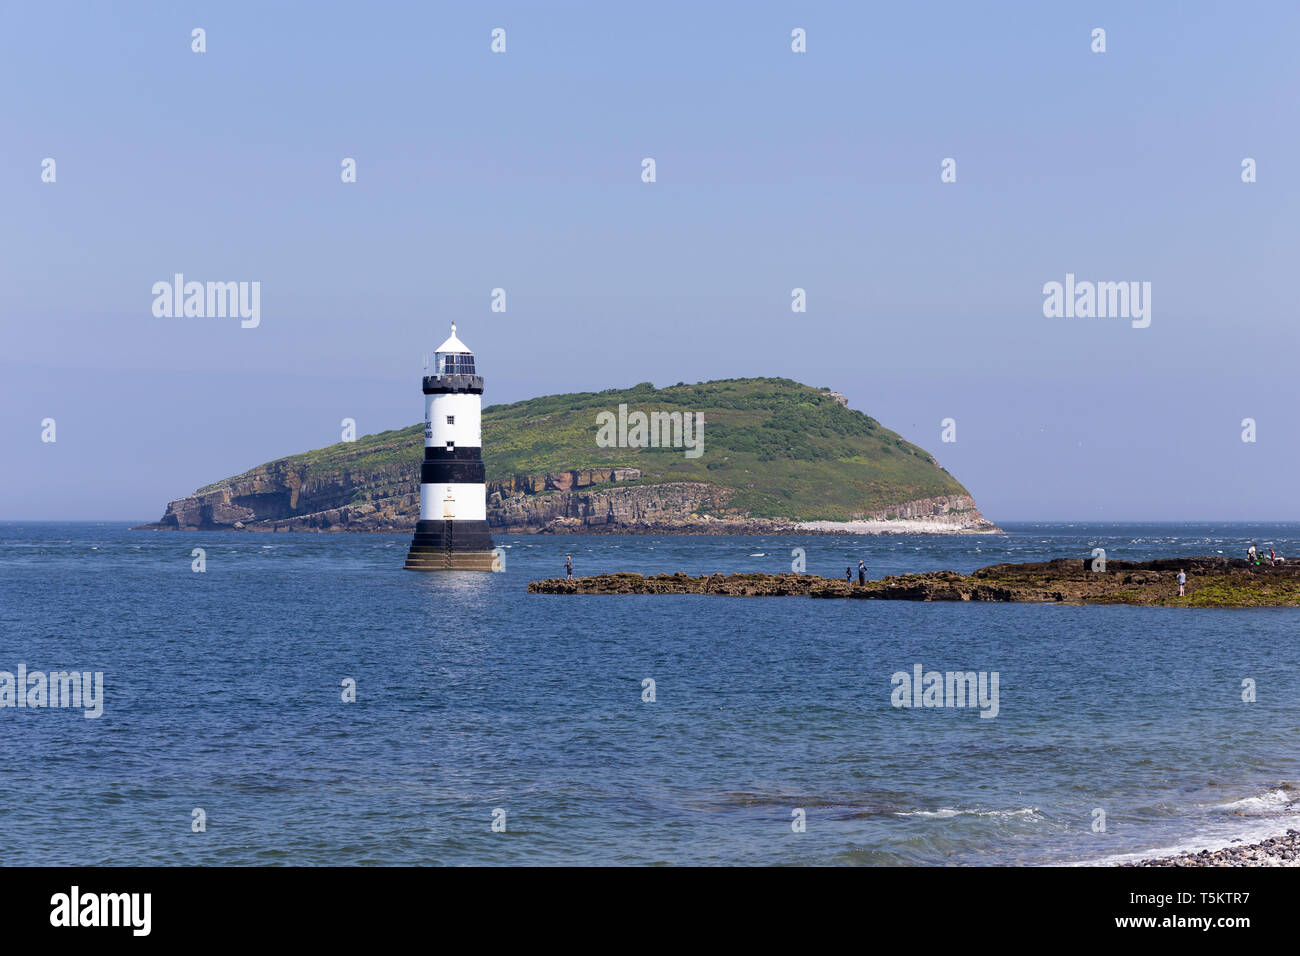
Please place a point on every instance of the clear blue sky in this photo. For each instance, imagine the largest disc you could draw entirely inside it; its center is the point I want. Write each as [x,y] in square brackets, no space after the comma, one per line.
[775,170]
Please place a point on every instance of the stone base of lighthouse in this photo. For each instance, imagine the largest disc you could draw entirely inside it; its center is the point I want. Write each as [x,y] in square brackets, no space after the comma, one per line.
[451,546]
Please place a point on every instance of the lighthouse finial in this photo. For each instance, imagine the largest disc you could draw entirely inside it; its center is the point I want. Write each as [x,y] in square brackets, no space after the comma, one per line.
[453,328]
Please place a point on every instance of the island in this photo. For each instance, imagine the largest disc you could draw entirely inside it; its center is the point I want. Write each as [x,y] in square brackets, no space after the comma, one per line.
[771,456]
[1212,582]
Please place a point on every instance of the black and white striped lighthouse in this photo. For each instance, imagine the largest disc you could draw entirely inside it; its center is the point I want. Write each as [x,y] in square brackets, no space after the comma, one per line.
[453,532]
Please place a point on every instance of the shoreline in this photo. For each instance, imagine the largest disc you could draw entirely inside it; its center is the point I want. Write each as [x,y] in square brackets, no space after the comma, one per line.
[899,526]
[1280,850]
[755,528]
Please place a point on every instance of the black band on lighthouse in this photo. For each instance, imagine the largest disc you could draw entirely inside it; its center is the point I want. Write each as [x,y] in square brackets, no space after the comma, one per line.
[459,453]
[448,384]
[452,473]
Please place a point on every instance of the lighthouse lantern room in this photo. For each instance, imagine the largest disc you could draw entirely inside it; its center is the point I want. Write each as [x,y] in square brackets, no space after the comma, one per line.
[452,533]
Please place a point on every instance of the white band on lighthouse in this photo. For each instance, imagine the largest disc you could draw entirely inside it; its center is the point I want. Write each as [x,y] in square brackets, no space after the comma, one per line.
[452,418]
[452,502]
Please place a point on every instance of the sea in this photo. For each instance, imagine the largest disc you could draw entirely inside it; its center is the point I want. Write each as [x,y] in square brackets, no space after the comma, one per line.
[301,699]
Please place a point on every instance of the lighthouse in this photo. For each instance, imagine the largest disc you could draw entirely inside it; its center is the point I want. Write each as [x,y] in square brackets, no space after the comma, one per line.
[452,533]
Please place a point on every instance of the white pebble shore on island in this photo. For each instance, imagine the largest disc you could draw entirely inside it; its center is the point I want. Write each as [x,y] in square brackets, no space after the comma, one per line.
[936,525]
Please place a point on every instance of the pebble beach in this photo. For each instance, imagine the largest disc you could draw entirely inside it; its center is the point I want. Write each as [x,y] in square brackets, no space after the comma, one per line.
[1277,851]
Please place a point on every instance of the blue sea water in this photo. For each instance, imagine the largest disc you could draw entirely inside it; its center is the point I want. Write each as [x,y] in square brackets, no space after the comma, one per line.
[223,692]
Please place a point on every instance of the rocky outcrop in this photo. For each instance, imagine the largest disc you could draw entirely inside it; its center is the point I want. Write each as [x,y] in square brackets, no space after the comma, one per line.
[560,481]
[578,502]
[948,506]
[389,500]
[668,507]
[297,499]
[590,500]
[1211,582]
[942,514]
[724,585]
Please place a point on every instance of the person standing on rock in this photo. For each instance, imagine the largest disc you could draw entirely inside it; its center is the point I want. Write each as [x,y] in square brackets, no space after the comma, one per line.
[862,572]
[1250,555]
[848,575]
[1182,583]
[568,567]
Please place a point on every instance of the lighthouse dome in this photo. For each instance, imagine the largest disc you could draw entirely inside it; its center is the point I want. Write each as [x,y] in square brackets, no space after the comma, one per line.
[453,357]
[453,344]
